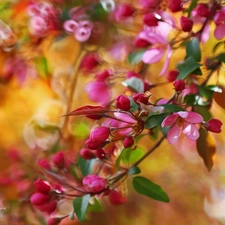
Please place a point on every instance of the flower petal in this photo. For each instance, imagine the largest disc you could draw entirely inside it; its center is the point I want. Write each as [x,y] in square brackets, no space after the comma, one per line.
[219,32]
[173,134]
[167,60]
[169,120]
[194,117]
[153,55]
[190,131]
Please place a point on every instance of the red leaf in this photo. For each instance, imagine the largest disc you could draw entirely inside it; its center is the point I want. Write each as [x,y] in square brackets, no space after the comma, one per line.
[87,111]
[206,147]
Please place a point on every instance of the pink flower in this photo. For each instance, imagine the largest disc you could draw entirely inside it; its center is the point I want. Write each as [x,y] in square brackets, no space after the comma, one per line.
[184,121]
[95,183]
[219,20]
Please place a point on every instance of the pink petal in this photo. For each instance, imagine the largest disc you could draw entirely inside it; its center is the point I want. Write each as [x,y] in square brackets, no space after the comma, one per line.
[194,117]
[219,32]
[190,131]
[82,34]
[183,114]
[173,134]
[153,55]
[167,60]
[169,120]
[70,26]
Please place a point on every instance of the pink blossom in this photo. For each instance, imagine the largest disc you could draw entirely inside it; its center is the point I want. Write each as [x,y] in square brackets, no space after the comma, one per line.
[219,20]
[94,183]
[184,121]
[149,3]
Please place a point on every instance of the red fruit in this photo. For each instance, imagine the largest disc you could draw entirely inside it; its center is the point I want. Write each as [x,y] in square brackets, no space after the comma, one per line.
[186,24]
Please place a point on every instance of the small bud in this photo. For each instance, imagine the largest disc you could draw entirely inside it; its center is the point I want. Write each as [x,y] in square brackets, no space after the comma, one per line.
[128,142]
[124,11]
[89,62]
[172,75]
[179,85]
[100,153]
[202,10]
[44,164]
[100,134]
[39,199]
[214,125]
[41,186]
[175,5]
[140,98]
[95,183]
[123,102]
[87,154]
[140,43]
[58,160]
[186,24]
[116,198]
[150,20]
[54,221]
[48,207]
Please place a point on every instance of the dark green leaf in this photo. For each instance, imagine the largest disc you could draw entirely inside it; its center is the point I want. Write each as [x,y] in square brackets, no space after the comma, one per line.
[187,67]
[134,170]
[133,106]
[221,57]
[95,207]
[86,166]
[214,88]
[205,92]
[197,72]
[134,84]
[80,205]
[190,99]
[135,57]
[164,130]
[172,108]
[98,13]
[146,187]
[204,112]
[193,49]
[155,120]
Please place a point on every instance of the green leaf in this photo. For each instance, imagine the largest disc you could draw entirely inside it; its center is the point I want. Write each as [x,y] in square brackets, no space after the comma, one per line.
[204,112]
[80,205]
[135,57]
[86,166]
[135,84]
[205,92]
[191,7]
[98,13]
[95,207]
[42,66]
[172,108]
[193,49]
[187,67]
[221,57]
[155,120]
[80,129]
[197,72]
[134,170]
[146,187]
[190,99]
[214,88]
[133,106]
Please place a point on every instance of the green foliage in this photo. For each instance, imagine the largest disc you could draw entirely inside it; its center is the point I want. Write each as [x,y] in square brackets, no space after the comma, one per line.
[96,206]
[135,57]
[86,166]
[135,84]
[80,206]
[193,49]
[155,120]
[146,187]
[42,66]
[134,170]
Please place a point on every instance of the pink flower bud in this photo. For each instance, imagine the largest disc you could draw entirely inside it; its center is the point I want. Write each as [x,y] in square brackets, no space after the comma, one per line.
[123,102]
[48,207]
[58,160]
[128,142]
[179,85]
[150,20]
[39,199]
[214,125]
[54,221]
[92,144]
[175,5]
[87,153]
[95,183]
[140,43]
[132,74]
[41,186]
[44,164]
[186,24]
[202,10]
[100,153]
[103,75]
[89,62]
[140,98]
[116,198]
[124,10]
[100,134]
[172,75]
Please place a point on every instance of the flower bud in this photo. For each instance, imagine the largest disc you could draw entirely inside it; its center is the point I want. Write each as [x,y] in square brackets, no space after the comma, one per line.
[89,62]
[124,11]
[58,160]
[186,24]
[179,85]
[214,125]
[172,75]
[54,221]
[140,98]
[175,5]
[44,164]
[140,43]
[100,153]
[95,183]
[100,134]
[150,20]
[39,199]
[116,198]
[87,153]
[41,186]
[48,207]
[128,142]
[123,102]
[202,10]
